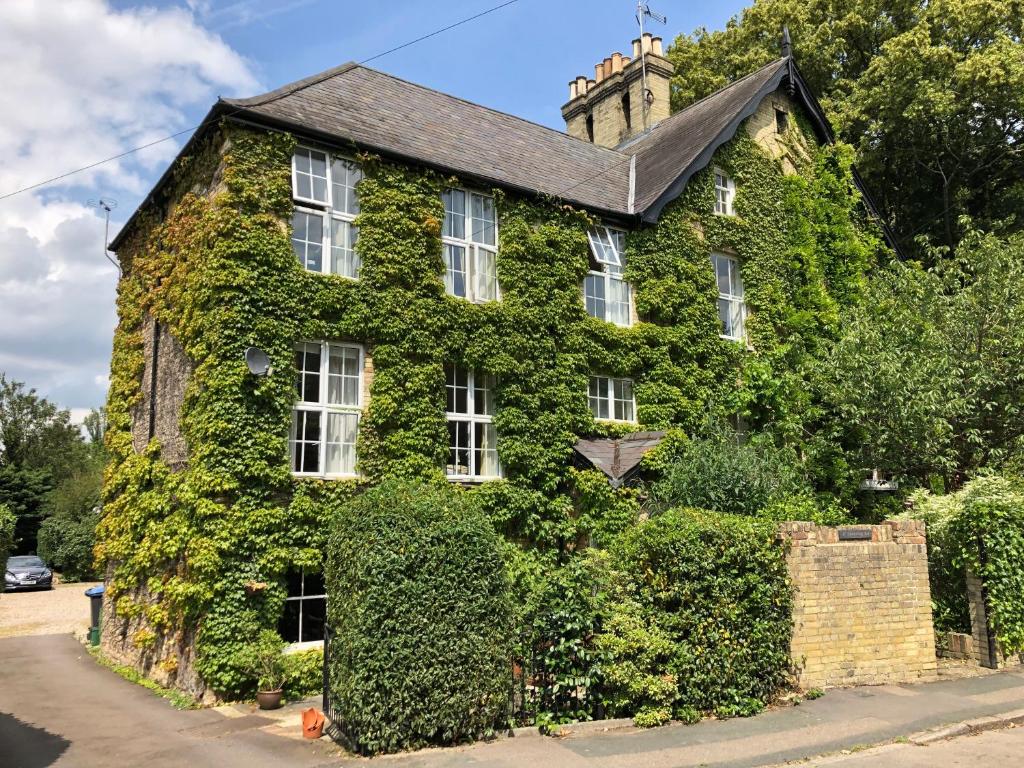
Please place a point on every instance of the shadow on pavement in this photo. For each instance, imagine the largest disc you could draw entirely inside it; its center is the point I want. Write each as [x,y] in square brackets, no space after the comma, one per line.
[26,746]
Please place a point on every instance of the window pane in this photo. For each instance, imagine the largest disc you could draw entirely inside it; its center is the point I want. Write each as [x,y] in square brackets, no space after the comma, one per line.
[725,316]
[618,301]
[455,270]
[623,398]
[483,219]
[593,295]
[598,397]
[314,614]
[311,175]
[314,584]
[344,177]
[603,247]
[483,395]
[306,441]
[459,448]
[735,281]
[343,256]
[288,626]
[454,214]
[308,239]
[343,376]
[721,272]
[486,275]
[457,390]
[485,451]
[307,366]
[342,430]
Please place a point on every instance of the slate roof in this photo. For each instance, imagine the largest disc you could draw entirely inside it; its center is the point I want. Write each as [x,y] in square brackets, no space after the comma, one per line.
[354,105]
[618,458]
[679,146]
[381,112]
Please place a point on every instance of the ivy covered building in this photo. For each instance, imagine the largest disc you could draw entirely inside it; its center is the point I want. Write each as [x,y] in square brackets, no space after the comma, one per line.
[445,291]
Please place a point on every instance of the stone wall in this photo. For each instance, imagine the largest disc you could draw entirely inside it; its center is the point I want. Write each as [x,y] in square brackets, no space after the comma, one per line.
[158,414]
[862,604]
[985,649]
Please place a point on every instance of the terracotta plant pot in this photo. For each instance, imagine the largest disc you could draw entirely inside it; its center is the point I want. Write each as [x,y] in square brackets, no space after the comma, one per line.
[269,699]
[312,724]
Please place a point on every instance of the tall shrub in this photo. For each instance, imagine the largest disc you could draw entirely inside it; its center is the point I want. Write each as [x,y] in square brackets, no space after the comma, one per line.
[700,617]
[988,529]
[7,523]
[420,614]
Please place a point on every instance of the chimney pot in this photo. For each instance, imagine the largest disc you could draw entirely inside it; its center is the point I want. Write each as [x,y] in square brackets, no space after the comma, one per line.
[607,64]
[581,85]
[591,84]
[646,43]
[616,62]
[625,60]
[599,72]
[636,48]
[656,46]
[572,90]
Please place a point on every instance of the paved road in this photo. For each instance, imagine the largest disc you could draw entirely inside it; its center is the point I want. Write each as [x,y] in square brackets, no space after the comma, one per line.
[59,708]
[1003,748]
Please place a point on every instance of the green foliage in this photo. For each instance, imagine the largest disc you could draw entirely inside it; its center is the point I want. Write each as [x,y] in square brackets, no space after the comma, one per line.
[303,673]
[950,609]
[7,523]
[699,617]
[924,381]
[726,473]
[418,603]
[929,93]
[988,531]
[177,699]
[67,535]
[184,547]
[264,660]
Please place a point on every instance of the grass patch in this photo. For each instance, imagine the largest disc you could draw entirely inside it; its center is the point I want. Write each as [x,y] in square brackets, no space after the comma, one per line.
[177,699]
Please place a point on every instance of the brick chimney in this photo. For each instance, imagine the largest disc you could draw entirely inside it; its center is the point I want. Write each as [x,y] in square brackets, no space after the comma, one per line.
[611,107]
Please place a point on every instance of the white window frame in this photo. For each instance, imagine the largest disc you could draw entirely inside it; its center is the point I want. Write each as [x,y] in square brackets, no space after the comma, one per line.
[609,270]
[725,193]
[472,418]
[610,399]
[301,644]
[728,296]
[327,212]
[325,409]
[471,249]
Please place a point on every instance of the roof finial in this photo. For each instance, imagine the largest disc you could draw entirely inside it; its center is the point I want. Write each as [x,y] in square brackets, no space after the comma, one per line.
[787,44]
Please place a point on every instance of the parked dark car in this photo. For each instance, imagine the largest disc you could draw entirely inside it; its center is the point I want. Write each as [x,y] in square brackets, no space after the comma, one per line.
[27,572]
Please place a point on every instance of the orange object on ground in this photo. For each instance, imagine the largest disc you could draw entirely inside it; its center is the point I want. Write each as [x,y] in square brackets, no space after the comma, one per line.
[312,723]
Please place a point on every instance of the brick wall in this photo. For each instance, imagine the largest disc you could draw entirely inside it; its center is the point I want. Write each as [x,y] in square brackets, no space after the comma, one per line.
[862,607]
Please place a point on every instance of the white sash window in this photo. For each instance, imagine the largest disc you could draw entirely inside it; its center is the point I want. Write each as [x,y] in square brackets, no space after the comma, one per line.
[470,242]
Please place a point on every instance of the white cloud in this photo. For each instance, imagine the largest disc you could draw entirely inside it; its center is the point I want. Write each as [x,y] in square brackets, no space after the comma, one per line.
[83,81]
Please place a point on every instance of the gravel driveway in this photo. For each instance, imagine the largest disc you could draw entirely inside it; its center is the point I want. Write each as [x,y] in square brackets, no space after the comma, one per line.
[61,610]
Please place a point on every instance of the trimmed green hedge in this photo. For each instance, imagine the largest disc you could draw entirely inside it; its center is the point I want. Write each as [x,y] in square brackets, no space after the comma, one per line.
[419,610]
[699,617]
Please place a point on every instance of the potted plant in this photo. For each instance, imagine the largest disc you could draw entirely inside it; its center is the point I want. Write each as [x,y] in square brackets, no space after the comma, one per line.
[265,662]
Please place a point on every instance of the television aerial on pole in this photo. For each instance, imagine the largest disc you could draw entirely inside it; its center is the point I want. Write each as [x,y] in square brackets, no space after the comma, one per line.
[644,11]
[106,204]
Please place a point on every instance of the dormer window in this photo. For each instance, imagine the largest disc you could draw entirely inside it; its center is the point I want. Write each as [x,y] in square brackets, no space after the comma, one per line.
[606,294]
[470,242]
[725,193]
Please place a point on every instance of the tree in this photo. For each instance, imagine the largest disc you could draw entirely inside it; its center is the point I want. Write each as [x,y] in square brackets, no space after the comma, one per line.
[931,95]
[926,380]
[38,446]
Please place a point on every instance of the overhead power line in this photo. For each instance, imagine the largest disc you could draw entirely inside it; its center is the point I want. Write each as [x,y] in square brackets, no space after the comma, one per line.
[196,127]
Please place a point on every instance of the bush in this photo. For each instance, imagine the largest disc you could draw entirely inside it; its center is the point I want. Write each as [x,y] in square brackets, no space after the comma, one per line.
[699,617]
[717,473]
[67,534]
[303,673]
[950,611]
[7,523]
[987,531]
[419,610]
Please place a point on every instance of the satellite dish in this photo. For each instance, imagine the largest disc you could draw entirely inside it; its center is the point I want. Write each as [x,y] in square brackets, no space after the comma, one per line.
[258,362]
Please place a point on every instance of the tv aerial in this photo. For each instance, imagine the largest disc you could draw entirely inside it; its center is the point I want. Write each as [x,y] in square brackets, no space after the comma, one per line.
[644,11]
[106,204]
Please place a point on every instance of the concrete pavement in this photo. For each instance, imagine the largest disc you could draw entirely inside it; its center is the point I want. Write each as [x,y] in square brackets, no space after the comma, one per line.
[58,707]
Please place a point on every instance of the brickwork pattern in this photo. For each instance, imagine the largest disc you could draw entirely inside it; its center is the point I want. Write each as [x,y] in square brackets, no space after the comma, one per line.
[862,605]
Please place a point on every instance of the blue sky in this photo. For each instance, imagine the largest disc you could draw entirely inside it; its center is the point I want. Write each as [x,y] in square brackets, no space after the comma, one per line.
[103,76]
